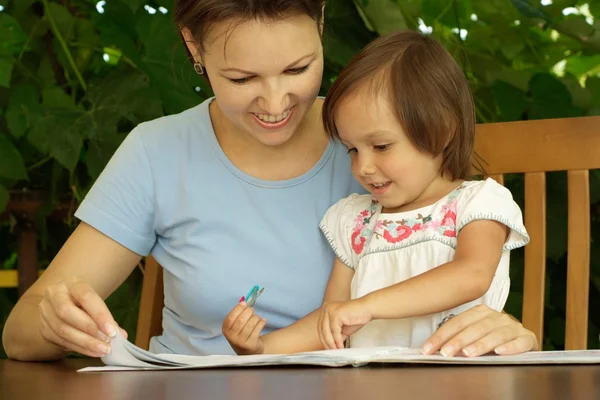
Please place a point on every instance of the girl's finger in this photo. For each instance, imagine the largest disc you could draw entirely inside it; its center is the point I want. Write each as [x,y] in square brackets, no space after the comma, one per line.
[233,316]
[246,332]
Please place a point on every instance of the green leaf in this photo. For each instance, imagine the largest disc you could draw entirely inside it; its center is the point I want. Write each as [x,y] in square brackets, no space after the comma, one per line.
[381,16]
[135,4]
[54,96]
[551,98]
[580,65]
[63,19]
[6,66]
[511,101]
[120,95]
[575,25]
[11,162]
[527,9]
[23,109]
[99,153]
[581,96]
[60,134]
[595,9]
[4,197]
[12,35]
[592,83]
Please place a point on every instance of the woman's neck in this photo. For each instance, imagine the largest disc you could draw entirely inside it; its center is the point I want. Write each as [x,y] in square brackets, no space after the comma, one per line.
[286,161]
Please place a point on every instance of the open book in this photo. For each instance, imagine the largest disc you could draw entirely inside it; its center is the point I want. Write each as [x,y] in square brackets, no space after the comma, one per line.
[126,356]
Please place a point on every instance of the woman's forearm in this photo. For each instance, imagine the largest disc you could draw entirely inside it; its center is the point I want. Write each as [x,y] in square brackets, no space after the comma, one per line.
[21,336]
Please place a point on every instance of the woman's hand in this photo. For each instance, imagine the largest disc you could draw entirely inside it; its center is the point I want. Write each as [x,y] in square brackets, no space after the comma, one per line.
[242,330]
[340,319]
[74,317]
[478,331]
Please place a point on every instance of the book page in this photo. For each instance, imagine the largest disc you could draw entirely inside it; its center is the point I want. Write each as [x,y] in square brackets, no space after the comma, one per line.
[126,356]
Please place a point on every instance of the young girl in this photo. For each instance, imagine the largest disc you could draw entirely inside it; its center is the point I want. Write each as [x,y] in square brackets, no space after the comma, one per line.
[426,243]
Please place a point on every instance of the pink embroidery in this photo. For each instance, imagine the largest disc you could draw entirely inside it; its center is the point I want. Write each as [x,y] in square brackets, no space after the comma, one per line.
[358,243]
[449,222]
[398,231]
[359,233]
[404,232]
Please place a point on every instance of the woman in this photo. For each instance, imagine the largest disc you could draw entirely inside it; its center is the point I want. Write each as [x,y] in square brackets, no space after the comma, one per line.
[225,195]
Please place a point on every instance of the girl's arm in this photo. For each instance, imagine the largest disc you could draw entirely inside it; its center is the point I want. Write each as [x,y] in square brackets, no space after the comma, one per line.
[302,335]
[466,278]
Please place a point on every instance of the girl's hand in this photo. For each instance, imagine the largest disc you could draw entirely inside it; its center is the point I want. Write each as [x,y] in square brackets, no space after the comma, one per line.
[339,320]
[74,317]
[242,330]
[481,330]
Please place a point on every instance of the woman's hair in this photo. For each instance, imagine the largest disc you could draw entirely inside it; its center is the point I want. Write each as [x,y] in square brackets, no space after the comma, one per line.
[426,90]
[200,15]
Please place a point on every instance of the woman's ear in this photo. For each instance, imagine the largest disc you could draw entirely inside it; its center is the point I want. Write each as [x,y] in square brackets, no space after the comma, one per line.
[192,45]
[322,22]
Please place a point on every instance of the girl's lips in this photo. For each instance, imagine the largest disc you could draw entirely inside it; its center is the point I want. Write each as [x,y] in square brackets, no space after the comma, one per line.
[380,189]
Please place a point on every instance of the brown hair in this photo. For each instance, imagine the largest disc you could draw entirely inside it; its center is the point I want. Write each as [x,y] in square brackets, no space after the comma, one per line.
[426,89]
[200,15]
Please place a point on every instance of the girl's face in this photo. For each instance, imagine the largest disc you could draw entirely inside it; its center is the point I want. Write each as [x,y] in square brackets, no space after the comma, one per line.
[384,160]
[265,75]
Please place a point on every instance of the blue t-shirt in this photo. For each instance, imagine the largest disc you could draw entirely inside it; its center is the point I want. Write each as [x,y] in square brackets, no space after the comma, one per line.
[170,190]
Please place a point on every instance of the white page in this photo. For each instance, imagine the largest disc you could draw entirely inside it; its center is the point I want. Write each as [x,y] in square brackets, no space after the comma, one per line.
[126,356]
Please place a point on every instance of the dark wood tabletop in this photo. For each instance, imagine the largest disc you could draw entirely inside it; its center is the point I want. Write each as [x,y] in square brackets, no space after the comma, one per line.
[59,380]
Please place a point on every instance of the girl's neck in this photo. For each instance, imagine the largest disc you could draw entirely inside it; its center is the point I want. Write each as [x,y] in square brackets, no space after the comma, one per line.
[289,160]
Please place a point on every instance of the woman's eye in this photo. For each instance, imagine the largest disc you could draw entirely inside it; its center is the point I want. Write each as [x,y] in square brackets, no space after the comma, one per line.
[297,71]
[240,81]
[351,150]
[381,147]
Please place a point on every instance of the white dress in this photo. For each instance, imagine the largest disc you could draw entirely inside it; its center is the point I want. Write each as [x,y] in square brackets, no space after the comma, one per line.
[384,249]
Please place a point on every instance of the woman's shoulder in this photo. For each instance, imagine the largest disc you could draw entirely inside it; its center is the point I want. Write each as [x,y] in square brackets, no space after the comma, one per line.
[175,128]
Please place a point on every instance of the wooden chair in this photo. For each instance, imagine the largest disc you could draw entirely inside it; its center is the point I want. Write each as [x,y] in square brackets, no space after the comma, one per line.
[151,304]
[529,147]
[534,148]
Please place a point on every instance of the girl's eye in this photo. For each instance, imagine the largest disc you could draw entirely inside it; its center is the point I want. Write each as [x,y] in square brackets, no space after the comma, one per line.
[352,150]
[240,80]
[297,71]
[381,147]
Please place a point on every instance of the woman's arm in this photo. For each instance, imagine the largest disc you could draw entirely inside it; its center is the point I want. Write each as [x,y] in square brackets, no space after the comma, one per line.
[481,330]
[64,309]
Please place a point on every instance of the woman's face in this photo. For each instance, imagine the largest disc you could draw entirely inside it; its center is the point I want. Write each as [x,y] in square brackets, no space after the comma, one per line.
[265,74]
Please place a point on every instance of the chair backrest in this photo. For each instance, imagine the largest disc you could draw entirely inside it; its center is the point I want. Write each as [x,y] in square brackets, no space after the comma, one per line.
[151,304]
[534,148]
[529,147]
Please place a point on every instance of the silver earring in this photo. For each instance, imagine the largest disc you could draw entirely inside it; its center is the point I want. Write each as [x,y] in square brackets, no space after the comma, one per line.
[198,68]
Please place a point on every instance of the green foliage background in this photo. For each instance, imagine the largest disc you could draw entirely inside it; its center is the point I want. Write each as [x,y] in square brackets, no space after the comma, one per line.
[77,75]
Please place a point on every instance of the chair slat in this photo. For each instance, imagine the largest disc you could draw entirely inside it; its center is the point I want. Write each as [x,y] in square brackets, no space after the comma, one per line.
[578,264]
[498,178]
[535,253]
[151,304]
[560,144]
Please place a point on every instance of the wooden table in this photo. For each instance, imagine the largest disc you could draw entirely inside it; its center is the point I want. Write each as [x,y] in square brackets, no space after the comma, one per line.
[59,380]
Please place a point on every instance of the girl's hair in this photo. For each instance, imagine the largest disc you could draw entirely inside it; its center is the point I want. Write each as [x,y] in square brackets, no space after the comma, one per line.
[200,15]
[426,90]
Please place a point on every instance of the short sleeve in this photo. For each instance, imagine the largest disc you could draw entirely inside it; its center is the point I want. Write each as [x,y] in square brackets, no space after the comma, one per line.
[120,204]
[336,225]
[488,200]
